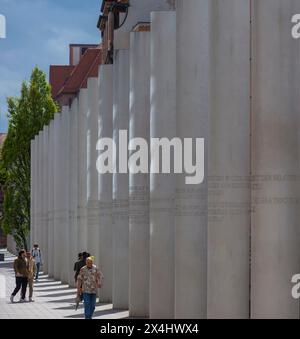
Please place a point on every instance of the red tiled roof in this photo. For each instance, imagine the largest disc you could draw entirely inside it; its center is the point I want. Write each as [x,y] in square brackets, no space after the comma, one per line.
[87,67]
[58,76]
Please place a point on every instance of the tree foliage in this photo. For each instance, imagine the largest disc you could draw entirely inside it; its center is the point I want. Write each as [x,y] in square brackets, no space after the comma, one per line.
[27,115]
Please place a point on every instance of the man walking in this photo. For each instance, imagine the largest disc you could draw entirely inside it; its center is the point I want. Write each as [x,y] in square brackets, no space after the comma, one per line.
[21,272]
[31,274]
[88,281]
[37,256]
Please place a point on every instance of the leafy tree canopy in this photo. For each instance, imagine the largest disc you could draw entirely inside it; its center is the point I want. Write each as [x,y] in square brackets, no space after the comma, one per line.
[27,115]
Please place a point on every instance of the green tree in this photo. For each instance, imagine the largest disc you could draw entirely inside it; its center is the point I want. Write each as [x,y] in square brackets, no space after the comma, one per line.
[27,115]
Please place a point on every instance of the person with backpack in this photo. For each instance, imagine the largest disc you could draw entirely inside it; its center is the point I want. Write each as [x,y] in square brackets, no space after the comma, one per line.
[21,272]
[37,256]
[76,266]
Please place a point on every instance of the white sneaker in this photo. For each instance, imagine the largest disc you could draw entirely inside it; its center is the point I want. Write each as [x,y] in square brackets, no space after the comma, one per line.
[11,298]
[31,300]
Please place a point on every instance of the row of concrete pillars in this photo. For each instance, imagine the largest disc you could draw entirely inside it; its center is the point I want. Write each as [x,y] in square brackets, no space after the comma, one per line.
[227,71]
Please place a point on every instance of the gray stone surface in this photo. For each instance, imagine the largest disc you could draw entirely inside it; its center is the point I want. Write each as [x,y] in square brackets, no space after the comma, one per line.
[51,244]
[56,197]
[120,183]
[162,186]
[82,168]
[105,130]
[92,175]
[45,190]
[139,127]
[275,254]
[229,162]
[193,108]
[73,189]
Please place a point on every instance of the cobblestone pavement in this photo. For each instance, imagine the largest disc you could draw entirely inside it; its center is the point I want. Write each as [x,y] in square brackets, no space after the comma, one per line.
[53,300]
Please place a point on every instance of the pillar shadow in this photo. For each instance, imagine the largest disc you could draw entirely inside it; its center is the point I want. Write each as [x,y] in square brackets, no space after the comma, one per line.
[80,307]
[46,290]
[45,285]
[69,300]
[58,294]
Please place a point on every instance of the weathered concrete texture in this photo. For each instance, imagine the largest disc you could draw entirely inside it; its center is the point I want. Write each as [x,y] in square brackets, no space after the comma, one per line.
[105,130]
[32,193]
[92,175]
[162,186]
[45,190]
[139,127]
[39,235]
[33,233]
[229,161]
[82,168]
[193,107]
[51,245]
[36,187]
[73,189]
[120,182]
[64,167]
[275,254]
[57,194]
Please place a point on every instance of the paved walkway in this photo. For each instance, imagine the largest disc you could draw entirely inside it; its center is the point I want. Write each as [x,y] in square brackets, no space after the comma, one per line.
[53,300]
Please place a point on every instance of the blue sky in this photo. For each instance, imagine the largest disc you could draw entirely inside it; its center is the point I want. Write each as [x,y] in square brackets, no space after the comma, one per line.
[38,34]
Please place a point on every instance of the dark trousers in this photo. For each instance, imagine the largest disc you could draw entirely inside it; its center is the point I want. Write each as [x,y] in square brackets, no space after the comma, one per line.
[38,266]
[21,282]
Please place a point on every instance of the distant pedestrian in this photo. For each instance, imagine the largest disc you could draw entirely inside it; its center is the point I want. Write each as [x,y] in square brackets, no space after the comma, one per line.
[88,281]
[76,266]
[81,263]
[37,256]
[31,266]
[21,272]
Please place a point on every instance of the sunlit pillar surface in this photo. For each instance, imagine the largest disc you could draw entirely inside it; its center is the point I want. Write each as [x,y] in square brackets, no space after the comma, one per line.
[105,130]
[162,186]
[120,183]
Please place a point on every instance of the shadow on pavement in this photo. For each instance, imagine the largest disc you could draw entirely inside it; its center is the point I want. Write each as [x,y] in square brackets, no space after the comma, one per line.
[57,294]
[51,289]
[70,300]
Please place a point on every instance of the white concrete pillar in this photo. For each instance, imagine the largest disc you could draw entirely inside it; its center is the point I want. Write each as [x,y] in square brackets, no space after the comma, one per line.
[51,247]
[73,190]
[35,190]
[275,254]
[82,175]
[105,130]
[139,190]
[193,106]
[45,190]
[65,241]
[32,191]
[162,186]
[229,161]
[120,182]
[57,196]
[40,190]
[92,175]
